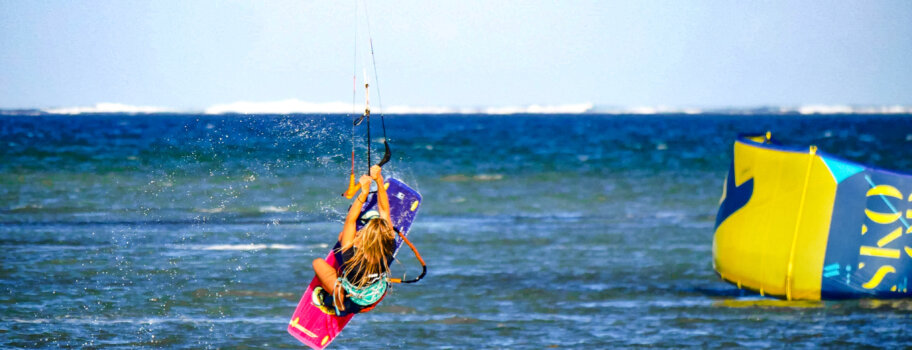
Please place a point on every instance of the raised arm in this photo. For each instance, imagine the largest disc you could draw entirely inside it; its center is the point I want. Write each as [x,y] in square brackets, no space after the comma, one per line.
[383,205]
[347,236]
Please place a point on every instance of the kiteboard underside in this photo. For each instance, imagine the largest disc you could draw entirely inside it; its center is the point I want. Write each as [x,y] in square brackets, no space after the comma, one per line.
[308,323]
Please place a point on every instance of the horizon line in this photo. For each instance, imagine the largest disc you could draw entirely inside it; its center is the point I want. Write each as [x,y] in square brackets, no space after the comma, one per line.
[295,106]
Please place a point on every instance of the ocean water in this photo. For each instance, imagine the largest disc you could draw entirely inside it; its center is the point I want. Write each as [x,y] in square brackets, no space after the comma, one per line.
[544,231]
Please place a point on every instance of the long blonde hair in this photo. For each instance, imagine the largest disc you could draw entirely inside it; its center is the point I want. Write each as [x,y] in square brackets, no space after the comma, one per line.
[374,241]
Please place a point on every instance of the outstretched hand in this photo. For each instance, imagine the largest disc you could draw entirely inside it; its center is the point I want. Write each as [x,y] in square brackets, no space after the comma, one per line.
[375,172]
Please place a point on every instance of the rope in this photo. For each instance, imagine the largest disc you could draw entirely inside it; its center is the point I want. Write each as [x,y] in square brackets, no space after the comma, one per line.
[418,256]
[354,85]
[376,74]
[377,83]
[367,113]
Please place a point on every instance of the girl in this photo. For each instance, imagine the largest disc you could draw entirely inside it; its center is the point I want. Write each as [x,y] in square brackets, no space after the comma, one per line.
[364,256]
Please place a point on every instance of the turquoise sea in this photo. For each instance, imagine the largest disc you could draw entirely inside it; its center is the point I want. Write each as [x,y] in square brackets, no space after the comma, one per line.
[539,231]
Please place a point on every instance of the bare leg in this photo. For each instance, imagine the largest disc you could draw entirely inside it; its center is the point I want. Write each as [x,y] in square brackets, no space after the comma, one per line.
[327,275]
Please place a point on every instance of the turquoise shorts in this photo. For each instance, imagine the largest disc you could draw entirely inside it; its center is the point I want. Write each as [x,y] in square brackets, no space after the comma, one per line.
[368,295]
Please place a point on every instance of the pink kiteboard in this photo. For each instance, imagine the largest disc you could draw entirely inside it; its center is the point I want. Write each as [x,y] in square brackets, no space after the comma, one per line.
[317,329]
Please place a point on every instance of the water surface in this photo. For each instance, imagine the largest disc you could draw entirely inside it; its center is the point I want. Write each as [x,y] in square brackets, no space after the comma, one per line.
[192,231]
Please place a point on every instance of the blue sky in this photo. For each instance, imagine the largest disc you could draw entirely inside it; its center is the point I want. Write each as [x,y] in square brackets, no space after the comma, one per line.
[195,54]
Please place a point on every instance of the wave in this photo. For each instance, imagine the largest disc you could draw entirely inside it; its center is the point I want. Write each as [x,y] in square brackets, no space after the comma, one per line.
[637,303]
[250,246]
[477,177]
[151,320]
[42,247]
[273,209]
[199,247]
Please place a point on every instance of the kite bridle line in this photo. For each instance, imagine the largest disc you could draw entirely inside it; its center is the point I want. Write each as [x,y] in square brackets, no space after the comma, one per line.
[352,186]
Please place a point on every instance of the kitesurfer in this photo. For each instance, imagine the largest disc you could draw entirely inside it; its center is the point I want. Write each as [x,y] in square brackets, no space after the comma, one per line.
[363,255]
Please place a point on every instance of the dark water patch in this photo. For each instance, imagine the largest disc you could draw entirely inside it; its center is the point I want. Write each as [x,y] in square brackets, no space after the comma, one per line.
[456,320]
[395,309]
